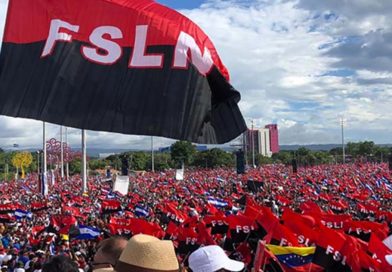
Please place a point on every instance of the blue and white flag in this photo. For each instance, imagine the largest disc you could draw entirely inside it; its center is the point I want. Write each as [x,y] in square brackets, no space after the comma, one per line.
[87,233]
[220,179]
[20,214]
[369,187]
[379,183]
[141,211]
[388,187]
[52,249]
[217,202]
[26,188]
[111,195]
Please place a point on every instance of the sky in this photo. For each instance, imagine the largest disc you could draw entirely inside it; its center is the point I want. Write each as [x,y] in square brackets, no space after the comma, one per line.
[302,64]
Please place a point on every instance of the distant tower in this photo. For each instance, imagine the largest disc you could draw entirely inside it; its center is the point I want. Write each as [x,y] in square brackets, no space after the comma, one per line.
[274,137]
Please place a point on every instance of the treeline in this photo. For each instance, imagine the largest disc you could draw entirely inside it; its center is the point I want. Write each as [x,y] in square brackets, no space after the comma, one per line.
[183,152]
[186,153]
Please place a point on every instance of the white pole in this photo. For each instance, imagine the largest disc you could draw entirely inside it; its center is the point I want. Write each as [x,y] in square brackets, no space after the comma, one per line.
[44,181]
[253,147]
[152,154]
[84,162]
[61,153]
[344,153]
[67,164]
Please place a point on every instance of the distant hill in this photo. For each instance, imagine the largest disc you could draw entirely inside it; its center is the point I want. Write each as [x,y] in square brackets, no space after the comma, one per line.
[319,147]
[314,147]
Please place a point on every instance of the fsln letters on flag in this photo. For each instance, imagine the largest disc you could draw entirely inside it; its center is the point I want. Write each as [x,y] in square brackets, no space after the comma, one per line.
[134,67]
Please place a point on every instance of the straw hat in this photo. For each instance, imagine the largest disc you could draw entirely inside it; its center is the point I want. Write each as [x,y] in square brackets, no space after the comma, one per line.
[145,253]
[104,270]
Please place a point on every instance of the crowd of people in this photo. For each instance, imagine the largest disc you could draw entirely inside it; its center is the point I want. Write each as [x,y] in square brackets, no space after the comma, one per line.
[323,218]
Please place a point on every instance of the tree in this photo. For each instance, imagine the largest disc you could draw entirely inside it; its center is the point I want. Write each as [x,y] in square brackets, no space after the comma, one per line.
[366,148]
[182,151]
[75,166]
[97,164]
[139,160]
[161,161]
[284,157]
[22,160]
[212,158]
[261,160]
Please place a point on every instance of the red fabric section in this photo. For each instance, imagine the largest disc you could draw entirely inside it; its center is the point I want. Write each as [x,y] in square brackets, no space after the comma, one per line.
[29,21]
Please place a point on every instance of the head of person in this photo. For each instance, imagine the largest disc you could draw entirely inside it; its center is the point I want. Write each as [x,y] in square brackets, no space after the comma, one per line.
[145,253]
[212,258]
[60,263]
[108,252]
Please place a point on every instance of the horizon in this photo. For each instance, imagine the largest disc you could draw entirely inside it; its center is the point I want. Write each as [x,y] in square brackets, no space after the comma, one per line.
[321,62]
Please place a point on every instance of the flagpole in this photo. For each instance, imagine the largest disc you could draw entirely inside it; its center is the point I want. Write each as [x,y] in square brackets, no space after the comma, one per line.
[67,164]
[343,151]
[152,154]
[61,153]
[84,162]
[44,165]
[253,147]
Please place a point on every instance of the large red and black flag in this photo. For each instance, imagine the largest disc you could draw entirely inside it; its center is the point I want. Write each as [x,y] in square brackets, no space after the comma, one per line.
[128,66]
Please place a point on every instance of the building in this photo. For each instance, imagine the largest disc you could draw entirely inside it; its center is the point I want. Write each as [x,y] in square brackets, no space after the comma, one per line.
[264,141]
[274,137]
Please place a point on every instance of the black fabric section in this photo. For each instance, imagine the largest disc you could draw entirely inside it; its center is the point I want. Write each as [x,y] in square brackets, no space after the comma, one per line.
[67,89]
[186,248]
[327,261]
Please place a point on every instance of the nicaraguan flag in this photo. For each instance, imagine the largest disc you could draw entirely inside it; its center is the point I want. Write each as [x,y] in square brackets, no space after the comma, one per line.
[379,183]
[220,179]
[111,195]
[20,214]
[385,180]
[217,202]
[88,233]
[52,249]
[388,187]
[369,187]
[140,211]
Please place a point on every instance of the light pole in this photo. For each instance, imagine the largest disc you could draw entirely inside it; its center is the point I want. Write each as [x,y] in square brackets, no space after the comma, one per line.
[343,151]
[152,154]
[253,146]
[84,162]
[61,153]
[38,155]
[67,164]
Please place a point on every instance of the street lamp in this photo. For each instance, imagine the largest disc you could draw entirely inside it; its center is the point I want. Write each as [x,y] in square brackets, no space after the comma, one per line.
[38,155]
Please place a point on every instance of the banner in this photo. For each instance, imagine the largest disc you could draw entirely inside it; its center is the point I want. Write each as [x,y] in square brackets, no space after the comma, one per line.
[133,67]
[121,185]
[180,174]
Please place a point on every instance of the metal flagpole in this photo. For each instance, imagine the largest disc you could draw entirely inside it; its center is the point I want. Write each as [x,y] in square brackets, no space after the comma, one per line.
[44,166]
[344,153]
[84,162]
[61,153]
[253,147]
[152,154]
[67,164]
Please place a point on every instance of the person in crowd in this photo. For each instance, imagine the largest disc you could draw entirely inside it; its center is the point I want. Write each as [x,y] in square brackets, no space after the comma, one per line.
[60,263]
[213,258]
[108,252]
[145,253]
